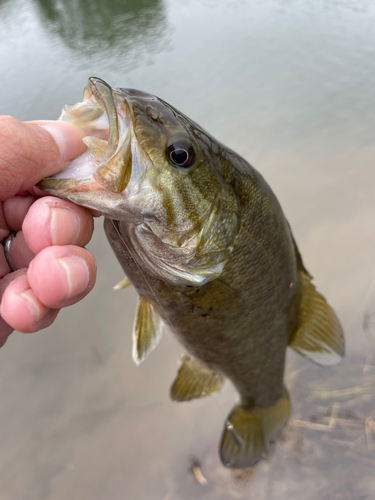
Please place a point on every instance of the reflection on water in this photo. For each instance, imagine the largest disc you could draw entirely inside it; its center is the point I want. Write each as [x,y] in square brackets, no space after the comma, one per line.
[92,27]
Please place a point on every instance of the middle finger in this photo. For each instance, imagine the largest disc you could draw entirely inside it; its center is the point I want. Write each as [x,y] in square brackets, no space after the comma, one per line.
[51,221]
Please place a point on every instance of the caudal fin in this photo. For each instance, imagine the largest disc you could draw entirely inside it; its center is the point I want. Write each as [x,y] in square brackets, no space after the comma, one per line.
[249,432]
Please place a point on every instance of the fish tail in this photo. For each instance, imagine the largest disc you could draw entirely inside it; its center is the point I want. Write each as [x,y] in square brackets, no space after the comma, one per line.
[248,432]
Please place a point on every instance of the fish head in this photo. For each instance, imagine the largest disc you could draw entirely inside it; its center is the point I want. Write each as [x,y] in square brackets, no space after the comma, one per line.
[159,175]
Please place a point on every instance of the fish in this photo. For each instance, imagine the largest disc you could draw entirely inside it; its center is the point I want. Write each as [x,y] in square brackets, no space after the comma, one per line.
[203,239]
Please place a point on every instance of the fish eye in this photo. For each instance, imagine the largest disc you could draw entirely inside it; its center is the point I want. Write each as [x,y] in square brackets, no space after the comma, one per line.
[180,153]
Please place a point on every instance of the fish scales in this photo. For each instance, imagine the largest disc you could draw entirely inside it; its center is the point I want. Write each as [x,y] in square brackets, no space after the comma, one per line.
[203,239]
[211,324]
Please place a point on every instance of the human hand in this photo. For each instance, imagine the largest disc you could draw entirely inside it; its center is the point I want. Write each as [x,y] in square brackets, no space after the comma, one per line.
[51,268]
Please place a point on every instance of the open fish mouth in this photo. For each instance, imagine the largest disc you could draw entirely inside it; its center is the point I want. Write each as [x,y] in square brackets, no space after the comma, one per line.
[97,177]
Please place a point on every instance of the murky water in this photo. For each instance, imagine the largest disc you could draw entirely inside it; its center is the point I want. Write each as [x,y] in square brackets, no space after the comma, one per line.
[289,85]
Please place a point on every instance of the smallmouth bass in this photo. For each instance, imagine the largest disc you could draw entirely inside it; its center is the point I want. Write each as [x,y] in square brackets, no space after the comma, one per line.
[203,239]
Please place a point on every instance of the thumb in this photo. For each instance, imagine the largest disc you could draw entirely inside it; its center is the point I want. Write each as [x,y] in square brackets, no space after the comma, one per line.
[30,151]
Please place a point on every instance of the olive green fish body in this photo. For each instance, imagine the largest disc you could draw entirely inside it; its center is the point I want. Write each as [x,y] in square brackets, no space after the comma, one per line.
[238,324]
[203,239]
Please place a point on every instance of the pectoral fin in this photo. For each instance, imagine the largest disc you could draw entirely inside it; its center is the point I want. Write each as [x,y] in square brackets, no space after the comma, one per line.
[249,432]
[194,380]
[122,284]
[147,330]
[319,335]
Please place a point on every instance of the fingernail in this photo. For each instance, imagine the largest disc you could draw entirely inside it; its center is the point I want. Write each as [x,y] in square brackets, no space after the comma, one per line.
[65,226]
[77,275]
[37,308]
[68,138]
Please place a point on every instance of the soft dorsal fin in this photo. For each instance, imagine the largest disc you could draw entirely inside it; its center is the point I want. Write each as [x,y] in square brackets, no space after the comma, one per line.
[194,380]
[147,330]
[319,335]
[122,284]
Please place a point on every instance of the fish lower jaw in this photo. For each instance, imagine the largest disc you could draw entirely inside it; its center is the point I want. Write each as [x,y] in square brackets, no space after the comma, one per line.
[81,168]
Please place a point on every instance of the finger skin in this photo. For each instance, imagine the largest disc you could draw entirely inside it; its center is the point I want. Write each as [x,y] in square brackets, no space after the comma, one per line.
[20,253]
[28,153]
[4,268]
[51,221]
[62,275]
[4,230]
[5,329]
[15,210]
[22,310]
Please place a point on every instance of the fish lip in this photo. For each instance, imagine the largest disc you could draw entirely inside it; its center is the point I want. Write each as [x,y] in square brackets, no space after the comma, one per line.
[103,96]
[109,168]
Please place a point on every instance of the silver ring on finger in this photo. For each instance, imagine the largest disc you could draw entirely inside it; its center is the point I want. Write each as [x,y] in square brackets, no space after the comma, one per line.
[7,244]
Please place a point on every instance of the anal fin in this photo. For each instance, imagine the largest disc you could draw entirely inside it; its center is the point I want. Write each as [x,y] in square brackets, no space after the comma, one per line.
[194,380]
[147,331]
[249,432]
[319,335]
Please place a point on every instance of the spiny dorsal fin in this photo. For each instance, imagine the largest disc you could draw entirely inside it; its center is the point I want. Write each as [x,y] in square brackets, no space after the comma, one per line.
[194,380]
[248,433]
[319,335]
[147,330]
[122,284]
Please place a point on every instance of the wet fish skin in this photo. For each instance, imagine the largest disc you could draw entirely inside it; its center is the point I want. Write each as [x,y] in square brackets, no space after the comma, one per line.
[238,324]
[211,255]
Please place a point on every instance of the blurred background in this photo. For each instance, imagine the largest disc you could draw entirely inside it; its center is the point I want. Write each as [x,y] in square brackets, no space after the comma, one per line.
[288,84]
